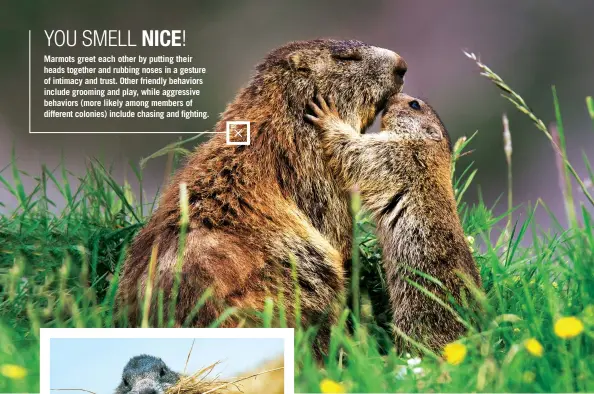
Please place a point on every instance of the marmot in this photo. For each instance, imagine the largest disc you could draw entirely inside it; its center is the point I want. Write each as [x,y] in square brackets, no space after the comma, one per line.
[404,177]
[255,209]
[146,374]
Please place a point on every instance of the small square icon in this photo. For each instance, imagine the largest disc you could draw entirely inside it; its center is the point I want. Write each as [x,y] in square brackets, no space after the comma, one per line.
[238,132]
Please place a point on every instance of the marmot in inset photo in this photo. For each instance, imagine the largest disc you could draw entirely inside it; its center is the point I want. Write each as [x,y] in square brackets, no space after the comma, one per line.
[254,209]
[146,374]
[404,177]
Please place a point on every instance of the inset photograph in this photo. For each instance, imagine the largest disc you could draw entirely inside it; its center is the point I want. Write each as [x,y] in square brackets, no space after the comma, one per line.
[167,361]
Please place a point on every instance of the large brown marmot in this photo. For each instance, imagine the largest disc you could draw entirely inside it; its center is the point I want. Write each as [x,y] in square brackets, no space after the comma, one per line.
[404,177]
[255,208]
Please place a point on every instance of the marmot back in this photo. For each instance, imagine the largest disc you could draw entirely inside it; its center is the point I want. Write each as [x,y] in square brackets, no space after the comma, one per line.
[254,209]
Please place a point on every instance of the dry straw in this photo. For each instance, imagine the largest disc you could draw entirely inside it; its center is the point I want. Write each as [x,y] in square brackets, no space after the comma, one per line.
[199,383]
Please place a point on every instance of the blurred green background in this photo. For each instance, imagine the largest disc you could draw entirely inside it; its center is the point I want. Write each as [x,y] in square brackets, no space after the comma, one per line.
[532,44]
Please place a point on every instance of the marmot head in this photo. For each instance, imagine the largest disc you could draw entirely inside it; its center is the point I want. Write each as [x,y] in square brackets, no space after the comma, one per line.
[413,118]
[358,76]
[146,375]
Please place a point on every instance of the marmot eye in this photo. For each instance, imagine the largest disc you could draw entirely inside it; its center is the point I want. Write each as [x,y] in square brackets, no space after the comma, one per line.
[126,383]
[348,56]
[162,372]
[415,105]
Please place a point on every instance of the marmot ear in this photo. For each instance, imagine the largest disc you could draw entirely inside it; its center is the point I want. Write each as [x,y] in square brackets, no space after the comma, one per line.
[298,62]
[434,133]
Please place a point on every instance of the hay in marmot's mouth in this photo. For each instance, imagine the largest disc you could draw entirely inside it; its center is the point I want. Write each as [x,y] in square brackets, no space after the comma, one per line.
[199,383]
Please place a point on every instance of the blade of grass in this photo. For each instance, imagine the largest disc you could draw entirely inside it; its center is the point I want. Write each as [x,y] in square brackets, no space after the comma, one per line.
[176,147]
[102,172]
[568,190]
[184,224]
[356,264]
[590,105]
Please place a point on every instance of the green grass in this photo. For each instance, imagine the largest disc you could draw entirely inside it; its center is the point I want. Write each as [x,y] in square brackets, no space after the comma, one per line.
[59,262]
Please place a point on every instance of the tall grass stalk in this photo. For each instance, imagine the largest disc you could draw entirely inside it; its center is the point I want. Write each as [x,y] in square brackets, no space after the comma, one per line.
[567,189]
[148,296]
[521,105]
[356,264]
[507,149]
[184,208]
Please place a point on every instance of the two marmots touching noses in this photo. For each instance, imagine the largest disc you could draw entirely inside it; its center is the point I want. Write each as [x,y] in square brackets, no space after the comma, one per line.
[274,216]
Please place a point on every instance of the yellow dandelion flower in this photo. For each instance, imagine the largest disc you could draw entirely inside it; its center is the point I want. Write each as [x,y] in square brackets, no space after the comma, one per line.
[555,285]
[528,376]
[568,327]
[454,353]
[330,386]
[470,239]
[12,371]
[534,347]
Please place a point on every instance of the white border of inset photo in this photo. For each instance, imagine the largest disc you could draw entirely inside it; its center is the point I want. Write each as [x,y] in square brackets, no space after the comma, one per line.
[287,334]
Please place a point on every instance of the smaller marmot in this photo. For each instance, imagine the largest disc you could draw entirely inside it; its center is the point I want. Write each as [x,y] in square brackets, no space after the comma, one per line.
[404,176]
[146,374]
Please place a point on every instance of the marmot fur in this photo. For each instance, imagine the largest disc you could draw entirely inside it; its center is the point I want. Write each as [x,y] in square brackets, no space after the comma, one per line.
[404,177]
[255,208]
[146,374]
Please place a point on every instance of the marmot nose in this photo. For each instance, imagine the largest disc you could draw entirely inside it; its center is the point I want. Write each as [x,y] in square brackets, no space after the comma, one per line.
[400,68]
[148,391]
